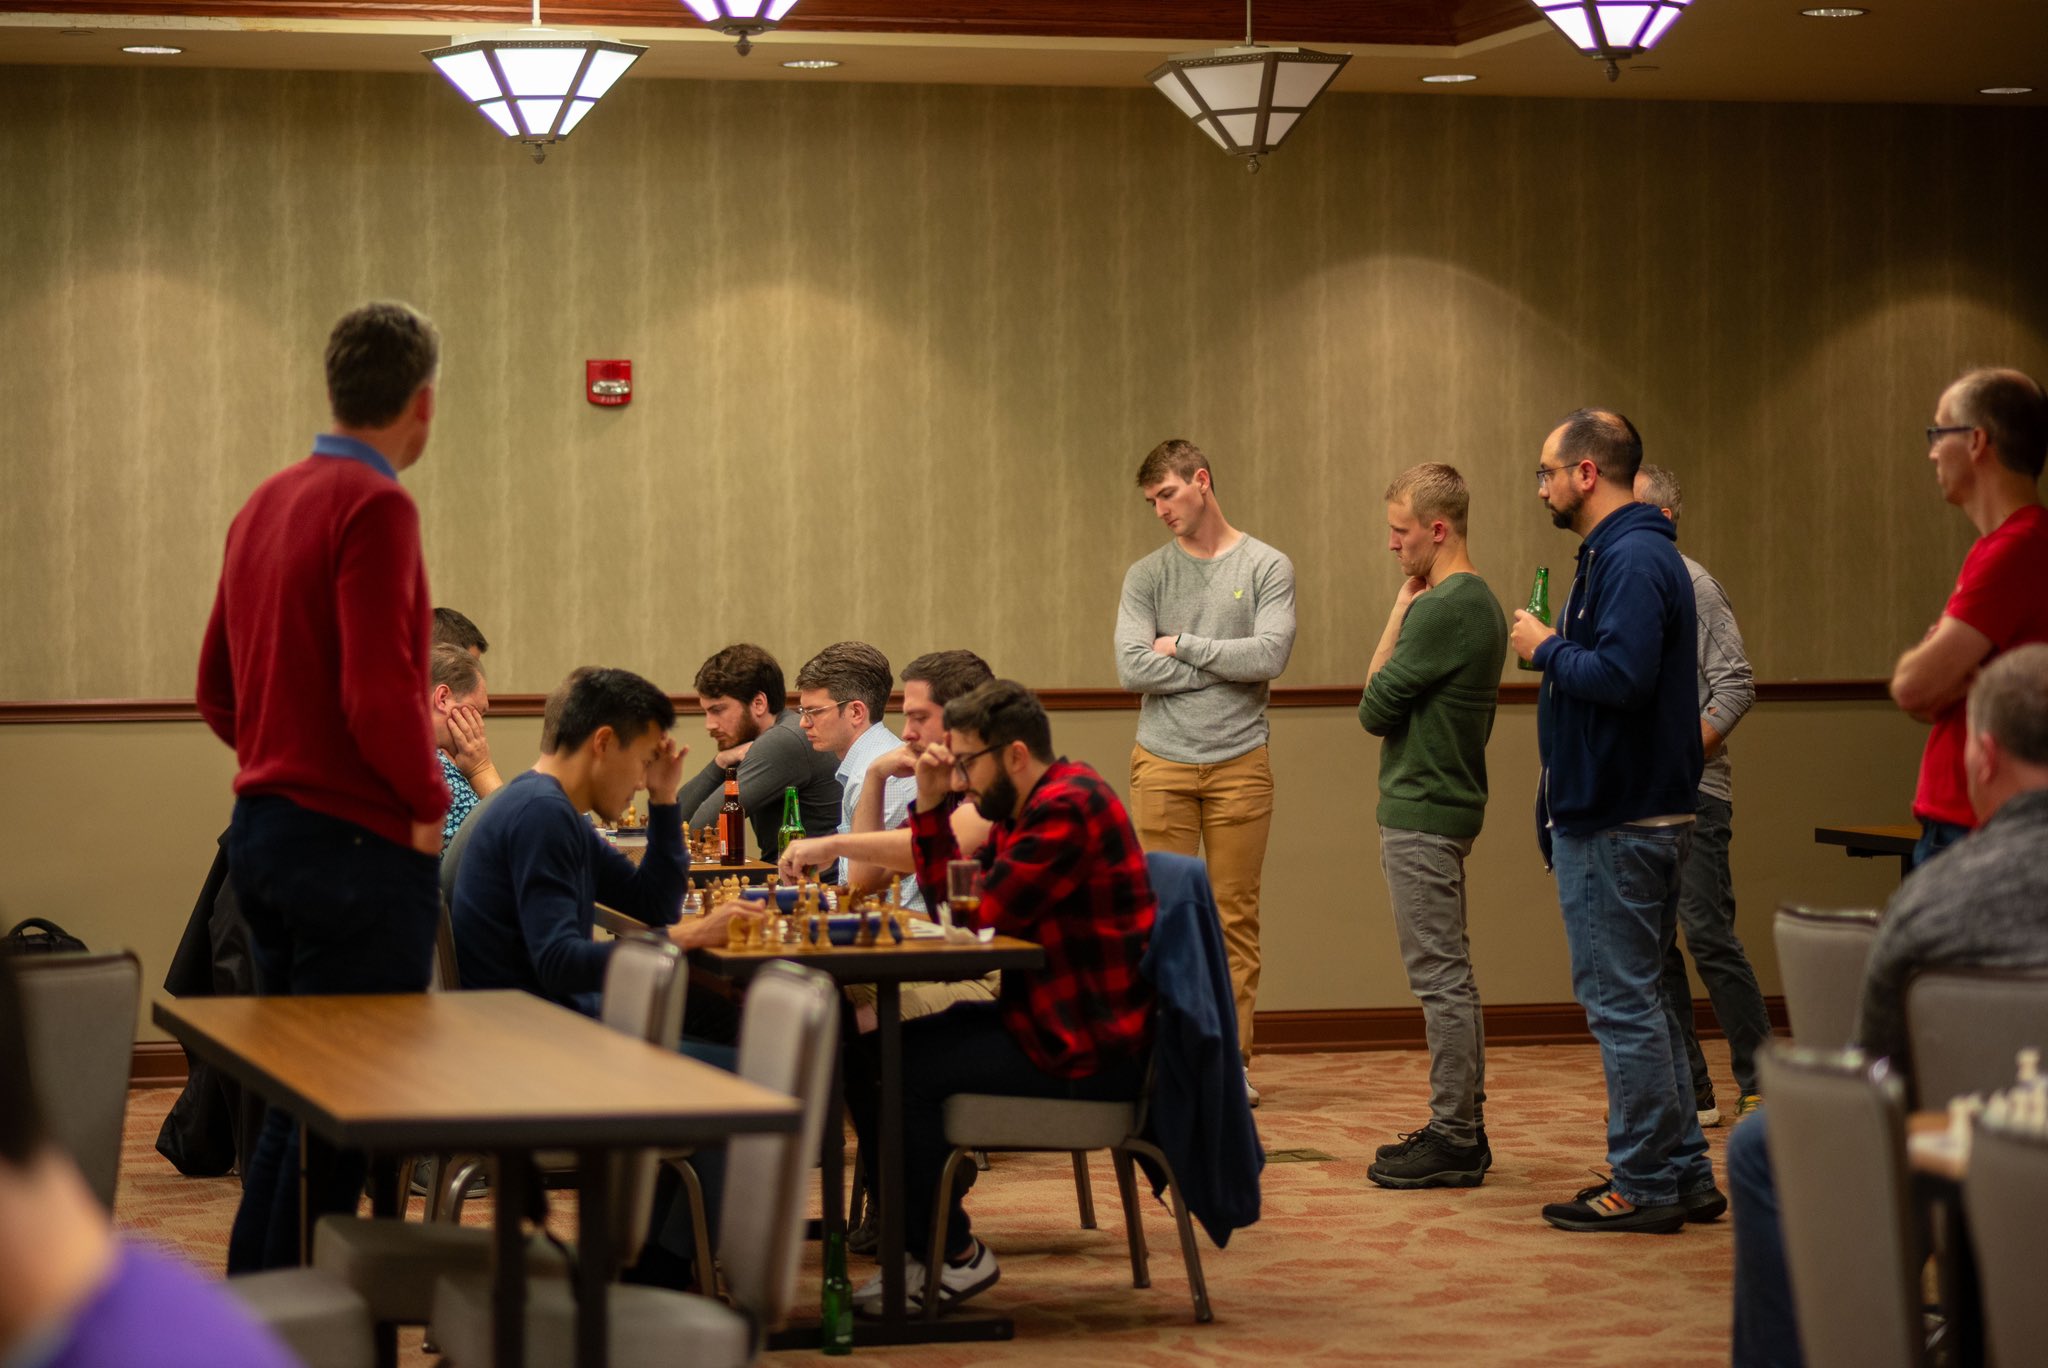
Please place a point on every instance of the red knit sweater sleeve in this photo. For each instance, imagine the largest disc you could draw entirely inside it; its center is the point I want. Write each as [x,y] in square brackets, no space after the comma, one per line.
[216,691]
[384,654]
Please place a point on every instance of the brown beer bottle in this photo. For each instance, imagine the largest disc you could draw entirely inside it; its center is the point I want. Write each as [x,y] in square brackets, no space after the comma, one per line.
[732,821]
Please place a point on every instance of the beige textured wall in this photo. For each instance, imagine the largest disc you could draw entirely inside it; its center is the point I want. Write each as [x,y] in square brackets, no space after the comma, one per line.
[898,350]
[110,828]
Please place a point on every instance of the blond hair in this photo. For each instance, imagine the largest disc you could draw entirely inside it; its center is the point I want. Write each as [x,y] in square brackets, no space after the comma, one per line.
[1433,490]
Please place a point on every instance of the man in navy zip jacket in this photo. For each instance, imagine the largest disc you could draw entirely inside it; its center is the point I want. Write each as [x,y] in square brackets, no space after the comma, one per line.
[1617,726]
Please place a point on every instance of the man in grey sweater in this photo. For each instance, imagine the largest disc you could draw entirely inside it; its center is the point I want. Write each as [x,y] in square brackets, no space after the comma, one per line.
[1706,896]
[1205,622]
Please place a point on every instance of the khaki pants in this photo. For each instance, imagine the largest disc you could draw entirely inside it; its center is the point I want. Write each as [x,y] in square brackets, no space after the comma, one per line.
[1226,809]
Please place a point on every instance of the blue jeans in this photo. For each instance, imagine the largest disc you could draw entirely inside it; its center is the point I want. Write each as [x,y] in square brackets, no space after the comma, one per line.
[1935,837]
[1706,913]
[1766,1326]
[1619,892]
[332,908]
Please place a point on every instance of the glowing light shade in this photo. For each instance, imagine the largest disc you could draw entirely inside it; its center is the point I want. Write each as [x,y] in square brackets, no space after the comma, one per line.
[535,84]
[1247,99]
[745,20]
[1613,30]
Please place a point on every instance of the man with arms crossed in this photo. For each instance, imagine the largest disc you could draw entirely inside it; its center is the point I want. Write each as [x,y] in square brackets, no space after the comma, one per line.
[1706,889]
[1984,907]
[747,715]
[1430,693]
[1617,723]
[1205,622]
[311,669]
[1987,444]
[841,694]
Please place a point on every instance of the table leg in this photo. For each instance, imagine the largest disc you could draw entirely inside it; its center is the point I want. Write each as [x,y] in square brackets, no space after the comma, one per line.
[832,1160]
[387,1185]
[885,1174]
[509,1186]
[594,1257]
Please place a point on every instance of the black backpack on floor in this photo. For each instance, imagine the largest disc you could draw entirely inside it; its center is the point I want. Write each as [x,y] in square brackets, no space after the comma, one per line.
[39,936]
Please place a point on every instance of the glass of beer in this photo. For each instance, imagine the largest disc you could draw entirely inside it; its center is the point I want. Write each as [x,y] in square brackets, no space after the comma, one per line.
[964,880]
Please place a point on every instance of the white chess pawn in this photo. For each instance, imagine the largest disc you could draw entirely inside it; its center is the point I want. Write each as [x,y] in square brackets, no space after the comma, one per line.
[2030,1065]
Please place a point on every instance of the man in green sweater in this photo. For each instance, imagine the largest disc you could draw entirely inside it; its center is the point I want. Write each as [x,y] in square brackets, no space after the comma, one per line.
[1430,696]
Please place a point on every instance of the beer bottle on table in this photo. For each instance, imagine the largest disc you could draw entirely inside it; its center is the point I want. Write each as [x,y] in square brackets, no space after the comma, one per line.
[835,1335]
[1539,606]
[792,828]
[732,820]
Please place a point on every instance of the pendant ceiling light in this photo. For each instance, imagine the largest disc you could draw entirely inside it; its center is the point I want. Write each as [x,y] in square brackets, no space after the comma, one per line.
[1612,30]
[536,84]
[744,19]
[1247,99]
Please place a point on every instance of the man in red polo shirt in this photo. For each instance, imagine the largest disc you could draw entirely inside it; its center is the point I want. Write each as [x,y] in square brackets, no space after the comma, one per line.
[1987,443]
[314,668]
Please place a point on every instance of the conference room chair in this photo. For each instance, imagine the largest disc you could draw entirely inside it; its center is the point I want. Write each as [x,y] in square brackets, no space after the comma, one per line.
[2006,1197]
[78,1012]
[1966,1028]
[1838,1126]
[787,1043]
[1821,956]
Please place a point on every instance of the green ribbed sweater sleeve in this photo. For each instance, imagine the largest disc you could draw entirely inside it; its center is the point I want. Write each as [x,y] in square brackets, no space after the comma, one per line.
[1432,705]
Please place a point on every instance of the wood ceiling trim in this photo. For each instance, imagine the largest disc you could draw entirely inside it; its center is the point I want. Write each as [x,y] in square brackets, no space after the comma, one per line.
[1427,23]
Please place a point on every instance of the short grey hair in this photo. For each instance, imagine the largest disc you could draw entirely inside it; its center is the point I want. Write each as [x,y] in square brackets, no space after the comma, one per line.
[2010,701]
[1660,490]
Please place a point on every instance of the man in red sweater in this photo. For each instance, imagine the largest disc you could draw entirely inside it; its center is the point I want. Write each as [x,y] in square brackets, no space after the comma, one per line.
[314,668]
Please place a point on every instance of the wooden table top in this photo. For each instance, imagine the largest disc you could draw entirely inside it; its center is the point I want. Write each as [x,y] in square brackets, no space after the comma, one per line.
[466,1070]
[927,959]
[1883,840]
[1929,1148]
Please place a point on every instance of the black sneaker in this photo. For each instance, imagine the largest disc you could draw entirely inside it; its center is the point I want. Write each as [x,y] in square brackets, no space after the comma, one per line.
[865,1238]
[1409,1139]
[1600,1207]
[1705,1205]
[1431,1161]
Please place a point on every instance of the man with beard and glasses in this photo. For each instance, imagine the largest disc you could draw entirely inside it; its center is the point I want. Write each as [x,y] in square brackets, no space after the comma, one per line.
[746,714]
[1064,870]
[1617,726]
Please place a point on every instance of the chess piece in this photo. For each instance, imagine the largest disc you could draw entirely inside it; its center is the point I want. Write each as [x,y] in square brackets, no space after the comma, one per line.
[896,891]
[736,932]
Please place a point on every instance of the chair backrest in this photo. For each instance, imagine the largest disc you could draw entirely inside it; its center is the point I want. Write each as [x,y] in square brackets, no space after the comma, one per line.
[1821,957]
[1966,1026]
[2006,1196]
[1838,1151]
[451,858]
[788,1037]
[78,1014]
[644,984]
[447,975]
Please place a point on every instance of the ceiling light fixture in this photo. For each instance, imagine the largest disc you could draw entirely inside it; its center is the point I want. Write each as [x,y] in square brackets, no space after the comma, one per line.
[1247,99]
[536,84]
[1610,30]
[2005,90]
[1835,12]
[744,19]
[1450,78]
[811,64]
[153,50]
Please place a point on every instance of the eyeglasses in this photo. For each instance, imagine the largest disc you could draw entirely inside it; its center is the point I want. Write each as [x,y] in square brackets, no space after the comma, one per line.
[807,714]
[1543,474]
[1935,434]
[961,762]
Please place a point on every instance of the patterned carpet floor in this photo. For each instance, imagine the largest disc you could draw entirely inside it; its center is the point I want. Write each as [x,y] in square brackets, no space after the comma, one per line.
[1336,1271]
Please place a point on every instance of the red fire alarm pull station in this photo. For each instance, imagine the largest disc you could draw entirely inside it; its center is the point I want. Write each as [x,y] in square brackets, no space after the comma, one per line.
[609,384]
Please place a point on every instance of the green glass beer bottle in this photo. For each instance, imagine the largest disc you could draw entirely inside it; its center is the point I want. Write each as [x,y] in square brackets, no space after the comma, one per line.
[835,1334]
[1539,606]
[792,828]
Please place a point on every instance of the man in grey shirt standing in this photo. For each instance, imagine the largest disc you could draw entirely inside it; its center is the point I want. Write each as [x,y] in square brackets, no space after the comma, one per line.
[1706,896]
[1205,622]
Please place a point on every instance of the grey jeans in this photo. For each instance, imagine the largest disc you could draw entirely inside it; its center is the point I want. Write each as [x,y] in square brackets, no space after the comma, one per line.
[1426,883]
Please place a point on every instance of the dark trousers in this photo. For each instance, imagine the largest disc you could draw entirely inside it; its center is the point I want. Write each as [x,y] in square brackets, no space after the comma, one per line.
[964,1049]
[332,908]
[1706,914]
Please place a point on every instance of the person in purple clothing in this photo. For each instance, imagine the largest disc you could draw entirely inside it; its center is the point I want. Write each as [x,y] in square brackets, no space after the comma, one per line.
[72,1293]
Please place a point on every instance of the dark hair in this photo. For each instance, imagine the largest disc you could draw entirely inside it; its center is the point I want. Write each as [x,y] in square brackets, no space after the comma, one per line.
[21,1117]
[551,710]
[1607,439]
[1174,456]
[741,672]
[619,699]
[378,356]
[850,670]
[2013,413]
[455,667]
[948,674]
[453,629]
[1002,711]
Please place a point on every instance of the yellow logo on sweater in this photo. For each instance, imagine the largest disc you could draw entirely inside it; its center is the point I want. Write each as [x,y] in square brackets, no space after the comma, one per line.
[1237,593]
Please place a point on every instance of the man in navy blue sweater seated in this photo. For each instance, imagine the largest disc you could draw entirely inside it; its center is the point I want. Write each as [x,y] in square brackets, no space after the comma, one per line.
[535,870]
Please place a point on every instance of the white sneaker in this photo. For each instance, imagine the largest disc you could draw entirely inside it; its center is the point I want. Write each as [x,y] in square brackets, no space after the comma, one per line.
[957,1282]
[1251,1094]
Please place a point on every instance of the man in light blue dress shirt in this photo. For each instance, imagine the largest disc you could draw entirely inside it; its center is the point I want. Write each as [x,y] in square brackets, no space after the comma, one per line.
[842,693]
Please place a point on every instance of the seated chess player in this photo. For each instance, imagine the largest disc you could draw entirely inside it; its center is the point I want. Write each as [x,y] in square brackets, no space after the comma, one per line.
[745,714]
[1063,870]
[457,701]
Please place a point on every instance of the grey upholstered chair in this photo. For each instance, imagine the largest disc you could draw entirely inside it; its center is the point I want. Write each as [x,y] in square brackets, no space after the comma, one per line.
[1967,1027]
[78,1012]
[1821,956]
[1838,1125]
[2006,1196]
[786,1043]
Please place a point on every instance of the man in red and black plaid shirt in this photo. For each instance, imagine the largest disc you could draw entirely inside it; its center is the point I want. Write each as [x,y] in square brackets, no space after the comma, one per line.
[1064,870]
